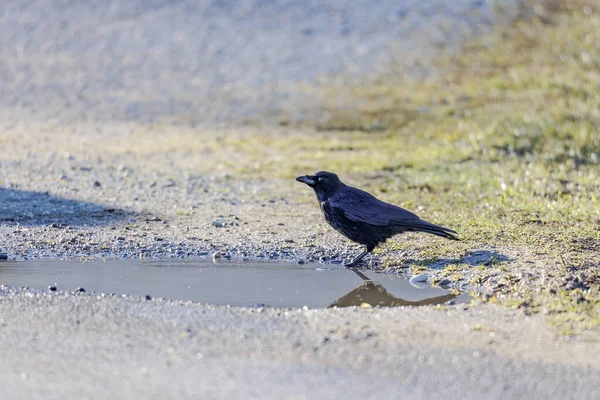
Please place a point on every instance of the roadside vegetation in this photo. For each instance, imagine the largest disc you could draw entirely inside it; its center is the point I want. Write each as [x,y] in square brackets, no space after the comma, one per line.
[501,142]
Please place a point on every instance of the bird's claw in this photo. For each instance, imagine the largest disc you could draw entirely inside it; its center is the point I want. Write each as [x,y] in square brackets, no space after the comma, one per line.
[351,264]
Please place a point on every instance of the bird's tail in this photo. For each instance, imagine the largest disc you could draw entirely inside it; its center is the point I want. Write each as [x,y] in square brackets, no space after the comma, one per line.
[428,227]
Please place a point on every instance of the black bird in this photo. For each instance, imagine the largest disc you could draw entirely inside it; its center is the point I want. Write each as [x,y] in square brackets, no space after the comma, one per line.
[363,218]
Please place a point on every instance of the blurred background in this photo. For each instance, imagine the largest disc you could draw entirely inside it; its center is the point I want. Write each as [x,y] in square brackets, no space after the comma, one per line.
[212,61]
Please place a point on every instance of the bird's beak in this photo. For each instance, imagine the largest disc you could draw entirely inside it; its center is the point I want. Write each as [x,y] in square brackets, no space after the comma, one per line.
[310,180]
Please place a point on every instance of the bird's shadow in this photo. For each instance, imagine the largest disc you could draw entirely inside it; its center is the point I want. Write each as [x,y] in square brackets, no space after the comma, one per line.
[31,208]
[474,258]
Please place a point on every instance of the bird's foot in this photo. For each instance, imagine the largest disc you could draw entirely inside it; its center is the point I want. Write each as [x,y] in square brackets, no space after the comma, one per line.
[352,264]
[357,260]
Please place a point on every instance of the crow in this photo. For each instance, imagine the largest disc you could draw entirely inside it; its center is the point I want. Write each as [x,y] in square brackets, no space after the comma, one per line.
[363,218]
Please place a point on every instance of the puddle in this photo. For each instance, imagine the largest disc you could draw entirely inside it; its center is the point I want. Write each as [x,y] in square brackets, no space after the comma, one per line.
[274,284]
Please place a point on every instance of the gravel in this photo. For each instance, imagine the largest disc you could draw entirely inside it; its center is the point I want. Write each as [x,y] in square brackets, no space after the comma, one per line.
[78,80]
[210,61]
[74,345]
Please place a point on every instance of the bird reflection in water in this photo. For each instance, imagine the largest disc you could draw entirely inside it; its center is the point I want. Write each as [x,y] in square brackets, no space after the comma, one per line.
[371,294]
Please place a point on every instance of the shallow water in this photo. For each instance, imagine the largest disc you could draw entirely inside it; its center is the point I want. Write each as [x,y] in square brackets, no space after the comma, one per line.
[253,283]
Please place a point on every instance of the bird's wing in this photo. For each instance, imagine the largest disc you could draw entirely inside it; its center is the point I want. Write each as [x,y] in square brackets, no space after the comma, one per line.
[360,206]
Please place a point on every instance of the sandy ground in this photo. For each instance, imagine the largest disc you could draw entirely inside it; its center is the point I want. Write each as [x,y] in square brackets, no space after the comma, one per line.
[73,346]
[91,165]
[153,204]
[209,61]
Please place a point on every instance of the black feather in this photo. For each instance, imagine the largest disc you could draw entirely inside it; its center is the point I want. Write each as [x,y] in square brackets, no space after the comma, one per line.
[363,218]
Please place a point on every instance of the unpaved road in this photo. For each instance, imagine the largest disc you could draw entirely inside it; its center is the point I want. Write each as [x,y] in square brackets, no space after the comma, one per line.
[207,61]
[102,156]
[79,346]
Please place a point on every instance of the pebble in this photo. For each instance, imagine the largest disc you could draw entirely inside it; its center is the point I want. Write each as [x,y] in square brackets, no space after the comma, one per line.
[444,282]
[3,256]
[419,285]
[571,285]
[419,278]
[219,223]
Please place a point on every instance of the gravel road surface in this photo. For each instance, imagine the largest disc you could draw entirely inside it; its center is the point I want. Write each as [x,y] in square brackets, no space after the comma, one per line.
[209,61]
[99,157]
[57,346]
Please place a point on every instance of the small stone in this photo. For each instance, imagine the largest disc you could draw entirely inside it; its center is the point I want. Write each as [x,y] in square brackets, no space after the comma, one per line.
[444,282]
[218,223]
[80,290]
[148,297]
[52,288]
[419,278]
[97,184]
[571,285]
[3,256]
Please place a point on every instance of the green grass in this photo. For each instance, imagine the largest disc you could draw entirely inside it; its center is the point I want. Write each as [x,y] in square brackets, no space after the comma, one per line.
[501,143]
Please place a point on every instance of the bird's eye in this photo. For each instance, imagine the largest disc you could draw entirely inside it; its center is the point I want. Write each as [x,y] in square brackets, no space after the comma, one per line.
[320,179]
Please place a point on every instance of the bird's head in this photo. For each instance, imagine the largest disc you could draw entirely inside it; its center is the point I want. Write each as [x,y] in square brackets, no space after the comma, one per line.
[323,183]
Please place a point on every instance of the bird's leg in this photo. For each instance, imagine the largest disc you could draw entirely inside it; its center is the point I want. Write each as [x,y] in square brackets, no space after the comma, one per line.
[356,259]
[359,257]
